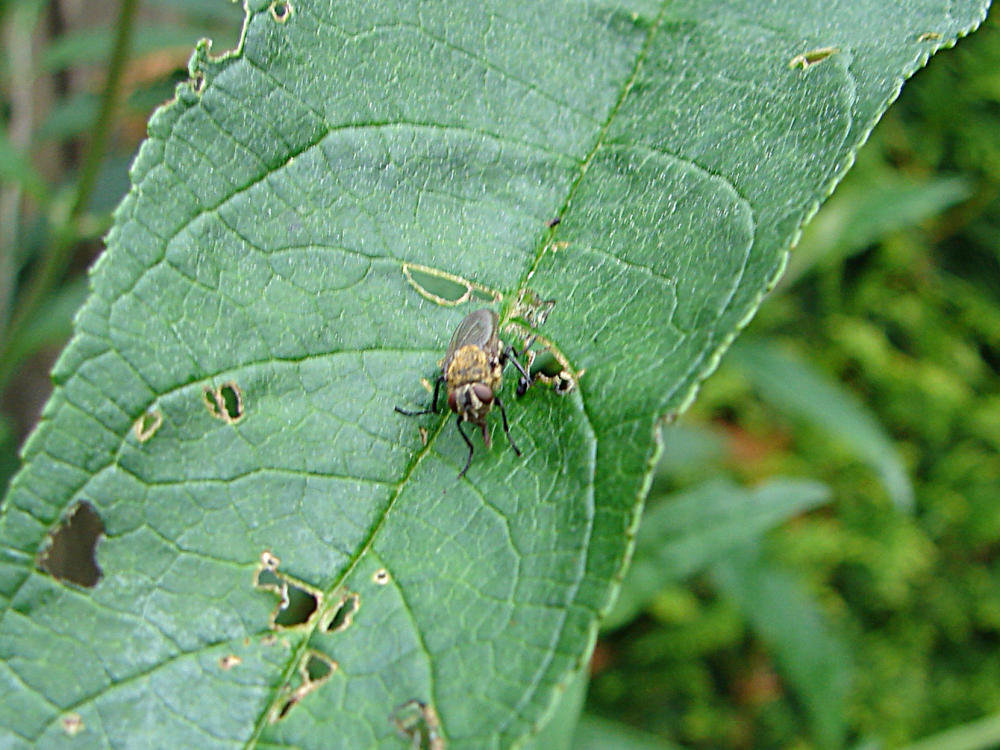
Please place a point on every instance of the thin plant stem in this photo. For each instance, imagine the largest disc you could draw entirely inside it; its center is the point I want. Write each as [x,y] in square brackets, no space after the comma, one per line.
[18,33]
[53,264]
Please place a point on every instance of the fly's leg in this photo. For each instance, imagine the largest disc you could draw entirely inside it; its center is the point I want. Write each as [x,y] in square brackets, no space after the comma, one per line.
[524,382]
[506,427]
[434,403]
[468,461]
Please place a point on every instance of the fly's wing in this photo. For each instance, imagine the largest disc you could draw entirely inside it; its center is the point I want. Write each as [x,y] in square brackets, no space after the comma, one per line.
[478,329]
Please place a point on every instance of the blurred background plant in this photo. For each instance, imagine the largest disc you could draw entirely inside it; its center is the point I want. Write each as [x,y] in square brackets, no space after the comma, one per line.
[818,565]
[80,79]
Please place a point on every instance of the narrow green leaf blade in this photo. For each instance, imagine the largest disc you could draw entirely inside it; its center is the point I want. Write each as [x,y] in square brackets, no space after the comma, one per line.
[560,731]
[802,393]
[981,734]
[870,210]
[814,661]
[15,167]
[683,534]
[595,733]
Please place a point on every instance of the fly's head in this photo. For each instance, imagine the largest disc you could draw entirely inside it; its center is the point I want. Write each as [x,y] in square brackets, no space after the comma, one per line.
[471,401]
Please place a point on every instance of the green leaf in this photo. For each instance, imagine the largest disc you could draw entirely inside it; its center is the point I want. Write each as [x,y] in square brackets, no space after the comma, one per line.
[52,326]
[70,117]
[981,734]
[683,534]
[93,45]
[687,450]
[8,452]
[595,733]
[560,731]
[815,662]
[17,168]
[226,404]
[869,206]
[805,394]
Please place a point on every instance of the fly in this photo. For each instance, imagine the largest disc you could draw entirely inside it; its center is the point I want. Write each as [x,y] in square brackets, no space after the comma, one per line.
[473,372]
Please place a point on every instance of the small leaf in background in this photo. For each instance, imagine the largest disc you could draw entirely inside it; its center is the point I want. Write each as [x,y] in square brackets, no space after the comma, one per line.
[687,450]
[983,734]
[873,203]
[596,733]
[16,168]
[559,731]
[53,324]
[94,45]
[814,661]
[8,452]
[69,118]
[802,393]
[684,533]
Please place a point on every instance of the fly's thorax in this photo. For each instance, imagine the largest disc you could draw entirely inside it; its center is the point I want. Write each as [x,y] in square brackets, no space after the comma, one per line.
[472,364]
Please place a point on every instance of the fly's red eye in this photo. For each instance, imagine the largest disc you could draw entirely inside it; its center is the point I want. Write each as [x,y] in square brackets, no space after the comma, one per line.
[483,392]
[453,401]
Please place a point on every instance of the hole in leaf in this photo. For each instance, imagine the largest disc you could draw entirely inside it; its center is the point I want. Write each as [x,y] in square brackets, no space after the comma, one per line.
[286,707]
[545,364]
[417,722]
[546,368]
[225,402]
[70,555]
[532,308]
[72,724]
[281,10]
[315,668]
[448,289]
[198,82]
[318,666]
[339,616]
[300,606]
[564,383]
[445,288]
[381,577]
[268,579]
[147,425]
[483,295]
[232,401]
[810,58]
[228,662]
[298,602]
